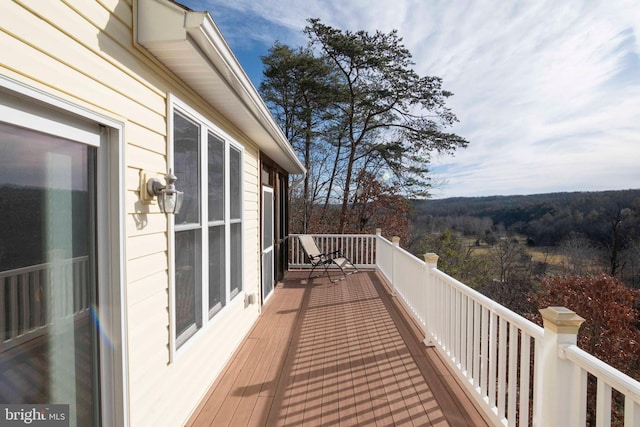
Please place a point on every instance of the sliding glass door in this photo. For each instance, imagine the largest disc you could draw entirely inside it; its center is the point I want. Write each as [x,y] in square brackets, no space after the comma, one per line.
[48,272]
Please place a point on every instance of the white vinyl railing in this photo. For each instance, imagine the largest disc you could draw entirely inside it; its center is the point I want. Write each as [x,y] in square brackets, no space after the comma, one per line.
[491,348]
[28,300]
[520,373]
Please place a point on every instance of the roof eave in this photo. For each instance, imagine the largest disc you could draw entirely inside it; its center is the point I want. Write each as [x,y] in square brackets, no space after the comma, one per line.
[191,46]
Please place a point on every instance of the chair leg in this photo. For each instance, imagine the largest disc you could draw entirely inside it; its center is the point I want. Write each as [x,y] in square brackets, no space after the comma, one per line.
[312,270]
[326,270]
[351,264]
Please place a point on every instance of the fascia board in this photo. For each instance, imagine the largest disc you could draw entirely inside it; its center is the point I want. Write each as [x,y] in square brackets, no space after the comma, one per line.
[162,24]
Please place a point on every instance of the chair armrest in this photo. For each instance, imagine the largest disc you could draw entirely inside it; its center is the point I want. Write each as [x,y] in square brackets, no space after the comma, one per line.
[334,254]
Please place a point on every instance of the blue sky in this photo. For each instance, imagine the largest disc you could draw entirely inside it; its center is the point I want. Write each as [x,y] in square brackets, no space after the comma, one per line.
[547,92]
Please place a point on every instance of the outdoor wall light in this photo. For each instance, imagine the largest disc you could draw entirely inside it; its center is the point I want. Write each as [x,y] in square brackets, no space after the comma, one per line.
[169,199]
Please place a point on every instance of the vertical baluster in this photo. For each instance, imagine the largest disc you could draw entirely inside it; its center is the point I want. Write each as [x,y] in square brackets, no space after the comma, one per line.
[631,411]
[463,332]
[25,297]
[484,360]
[435,305]
[76,287]
[493,350]
[502,367]
[373,244]
[580,405]
[348,248]
[477,350]
[293,248]
[513,374]
[447,317]
[456,327]
[13,307]
[440,309]
[603,404]
[344,245]
[37,299]
[85,274]
[366,256]
[69,291]
[470,338]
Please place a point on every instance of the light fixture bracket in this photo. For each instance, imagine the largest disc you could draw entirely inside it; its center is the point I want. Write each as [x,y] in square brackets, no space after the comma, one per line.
[152,189]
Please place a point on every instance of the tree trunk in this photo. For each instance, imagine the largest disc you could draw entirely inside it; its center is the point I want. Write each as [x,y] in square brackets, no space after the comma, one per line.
[345,193]
[307,164]
[334,172]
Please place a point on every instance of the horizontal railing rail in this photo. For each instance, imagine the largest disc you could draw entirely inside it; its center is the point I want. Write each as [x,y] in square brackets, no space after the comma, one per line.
[510,365]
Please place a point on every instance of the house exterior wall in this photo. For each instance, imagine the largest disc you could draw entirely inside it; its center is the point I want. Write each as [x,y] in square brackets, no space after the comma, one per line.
[83,52]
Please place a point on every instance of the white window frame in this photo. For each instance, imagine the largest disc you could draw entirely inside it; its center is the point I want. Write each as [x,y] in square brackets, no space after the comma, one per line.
[43,112]
[206,127]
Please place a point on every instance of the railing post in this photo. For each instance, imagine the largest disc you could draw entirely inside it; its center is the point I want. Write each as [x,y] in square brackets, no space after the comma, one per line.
[431,259]
[555,389]
[395,241]
[375,252]
[431,262]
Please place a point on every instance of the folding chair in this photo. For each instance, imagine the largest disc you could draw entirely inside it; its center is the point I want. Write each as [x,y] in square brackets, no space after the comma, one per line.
[318,259]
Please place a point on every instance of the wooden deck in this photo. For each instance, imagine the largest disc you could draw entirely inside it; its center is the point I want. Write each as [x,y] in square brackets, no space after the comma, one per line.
[325,354]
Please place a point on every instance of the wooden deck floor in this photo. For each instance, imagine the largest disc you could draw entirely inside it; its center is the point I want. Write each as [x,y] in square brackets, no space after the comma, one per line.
[325,354]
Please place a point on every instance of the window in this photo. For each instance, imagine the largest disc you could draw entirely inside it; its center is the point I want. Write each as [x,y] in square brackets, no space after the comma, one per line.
[208,228]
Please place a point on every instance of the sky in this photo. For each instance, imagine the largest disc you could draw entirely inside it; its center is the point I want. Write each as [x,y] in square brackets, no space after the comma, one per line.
[546,92]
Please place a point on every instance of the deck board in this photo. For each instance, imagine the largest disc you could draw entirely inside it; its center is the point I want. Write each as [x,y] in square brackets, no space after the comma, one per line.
[325,354]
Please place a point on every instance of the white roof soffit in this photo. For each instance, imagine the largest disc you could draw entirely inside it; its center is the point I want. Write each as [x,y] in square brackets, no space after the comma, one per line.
[190,44]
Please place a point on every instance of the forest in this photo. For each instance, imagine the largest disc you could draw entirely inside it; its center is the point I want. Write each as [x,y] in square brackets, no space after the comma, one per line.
[559,233]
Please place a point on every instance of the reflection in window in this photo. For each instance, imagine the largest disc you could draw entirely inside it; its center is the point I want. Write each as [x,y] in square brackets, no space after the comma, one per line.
[217,282]
[186,146]
[208,229]
[48,342]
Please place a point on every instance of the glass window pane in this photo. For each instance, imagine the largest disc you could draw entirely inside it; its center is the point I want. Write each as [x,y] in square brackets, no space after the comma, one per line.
[235,183]
[187,283]
[49,343]
[217,282]
[216,178]
[186,147]
[267,226]
[236,258]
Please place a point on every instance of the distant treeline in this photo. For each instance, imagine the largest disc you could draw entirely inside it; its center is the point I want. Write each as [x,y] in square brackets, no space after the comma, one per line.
[27,221]
[546,219]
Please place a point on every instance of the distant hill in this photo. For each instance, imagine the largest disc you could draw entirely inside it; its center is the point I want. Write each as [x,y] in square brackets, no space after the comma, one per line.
[511,209]
[545,218]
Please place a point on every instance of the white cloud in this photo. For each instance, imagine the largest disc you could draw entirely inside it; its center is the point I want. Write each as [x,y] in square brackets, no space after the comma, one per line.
[547,92]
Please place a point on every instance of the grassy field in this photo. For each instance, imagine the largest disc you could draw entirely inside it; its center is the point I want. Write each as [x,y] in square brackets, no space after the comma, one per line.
[543,254]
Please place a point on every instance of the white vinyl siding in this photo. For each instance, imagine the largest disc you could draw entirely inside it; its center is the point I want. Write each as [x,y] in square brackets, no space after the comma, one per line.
[82,52]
